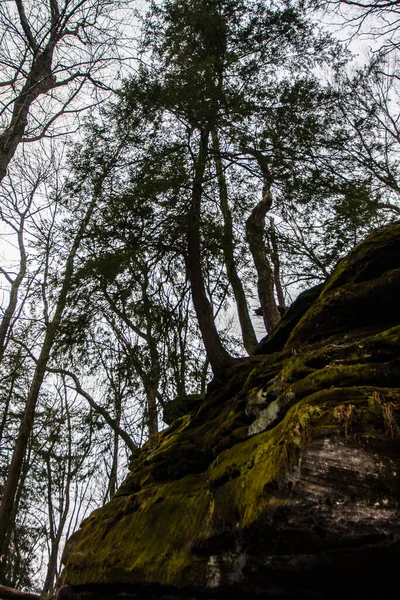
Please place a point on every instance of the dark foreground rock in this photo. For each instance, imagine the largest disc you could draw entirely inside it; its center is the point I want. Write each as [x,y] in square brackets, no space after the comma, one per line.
[284,481]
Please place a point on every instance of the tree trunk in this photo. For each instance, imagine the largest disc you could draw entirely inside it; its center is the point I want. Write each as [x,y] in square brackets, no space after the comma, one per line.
[152,380]
[56,531]
[39,81]
[112,484]
[15,285]
[217,355]
[152,413]
[28,416]
[246,326]
[277,265]
[14,377]
[255,226]
[11,594]
[9,572]
[55,541]
[203,378]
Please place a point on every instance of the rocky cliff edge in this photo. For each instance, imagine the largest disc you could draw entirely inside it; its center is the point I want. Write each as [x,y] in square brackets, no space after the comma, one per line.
[284,480]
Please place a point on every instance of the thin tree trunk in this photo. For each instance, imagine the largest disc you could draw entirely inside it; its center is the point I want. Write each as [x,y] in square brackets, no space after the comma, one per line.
[255,226]
[152,381]
[112,485]
[15,285]
[53,559]
[13,579]
[7,401]
[28,416]
[152,413]
[151,376]
[57,531]
[219,358]
[203,378]
[276,263]
[55,543]
[246,326]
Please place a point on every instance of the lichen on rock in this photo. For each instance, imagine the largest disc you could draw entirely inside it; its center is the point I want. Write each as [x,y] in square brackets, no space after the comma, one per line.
[285,479]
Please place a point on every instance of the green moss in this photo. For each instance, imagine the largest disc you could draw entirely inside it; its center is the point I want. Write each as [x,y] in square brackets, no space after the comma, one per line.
[371,361]
[252,471]
[141,541]
[151,536]
[265,370]
[356,292]
[276,340]
[343,361]
[345,375]
[367,251]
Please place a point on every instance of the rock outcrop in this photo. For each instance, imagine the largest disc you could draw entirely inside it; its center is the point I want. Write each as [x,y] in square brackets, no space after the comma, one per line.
[284,481]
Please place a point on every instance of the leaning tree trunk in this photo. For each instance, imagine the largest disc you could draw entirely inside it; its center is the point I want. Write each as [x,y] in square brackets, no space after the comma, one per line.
[255,226]
[112,423]
[219,358]
[39,81]
[246,326]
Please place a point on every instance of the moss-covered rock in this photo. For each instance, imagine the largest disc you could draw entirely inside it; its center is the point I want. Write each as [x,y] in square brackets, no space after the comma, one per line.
[280,335]
[180,406]
[285,479]
[363,292]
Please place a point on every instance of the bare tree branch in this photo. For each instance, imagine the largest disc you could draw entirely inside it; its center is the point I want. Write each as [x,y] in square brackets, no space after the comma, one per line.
[25,26]
[99,409]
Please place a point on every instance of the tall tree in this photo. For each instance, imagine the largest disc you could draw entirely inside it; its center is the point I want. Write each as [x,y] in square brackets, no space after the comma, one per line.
[228,244]
[52,320]
[224,50]
[50,50]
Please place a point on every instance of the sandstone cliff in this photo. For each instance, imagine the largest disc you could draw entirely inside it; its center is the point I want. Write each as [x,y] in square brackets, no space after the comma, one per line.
[284,480]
